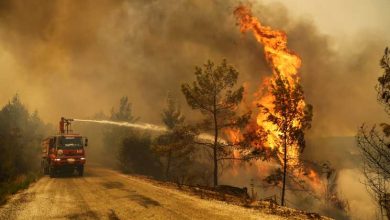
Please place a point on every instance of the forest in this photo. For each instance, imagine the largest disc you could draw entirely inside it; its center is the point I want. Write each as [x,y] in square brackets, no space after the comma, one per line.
[183,156]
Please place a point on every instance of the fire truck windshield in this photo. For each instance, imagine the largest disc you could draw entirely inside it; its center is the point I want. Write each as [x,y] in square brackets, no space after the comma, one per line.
[70,142]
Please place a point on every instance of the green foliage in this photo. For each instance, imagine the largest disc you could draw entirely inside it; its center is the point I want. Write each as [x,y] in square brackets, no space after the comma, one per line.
[213,93]
[124,112]
[171,115]
[213,90]
[21,133]
[114,135]
[176,145]
[127,148]
[20,136]
[136,156]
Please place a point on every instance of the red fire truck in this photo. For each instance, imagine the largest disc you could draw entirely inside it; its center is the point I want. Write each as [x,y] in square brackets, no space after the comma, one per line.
[63,152]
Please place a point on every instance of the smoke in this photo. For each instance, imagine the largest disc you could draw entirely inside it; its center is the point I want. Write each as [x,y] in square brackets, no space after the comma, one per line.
[77,58]
[351,187]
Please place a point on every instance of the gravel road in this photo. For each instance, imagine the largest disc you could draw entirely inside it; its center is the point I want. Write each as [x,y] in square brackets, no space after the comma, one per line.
[108,194]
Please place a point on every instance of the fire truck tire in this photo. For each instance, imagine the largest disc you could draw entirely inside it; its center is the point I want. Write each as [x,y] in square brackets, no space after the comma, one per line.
[81,171]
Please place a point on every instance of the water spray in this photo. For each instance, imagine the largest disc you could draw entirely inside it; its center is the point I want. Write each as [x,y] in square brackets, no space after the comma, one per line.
[144,126]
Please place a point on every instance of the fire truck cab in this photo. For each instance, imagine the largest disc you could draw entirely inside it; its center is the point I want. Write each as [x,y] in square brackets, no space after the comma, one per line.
[63,152]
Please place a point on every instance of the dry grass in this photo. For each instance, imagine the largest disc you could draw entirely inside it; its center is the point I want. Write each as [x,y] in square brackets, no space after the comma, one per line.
[265,206]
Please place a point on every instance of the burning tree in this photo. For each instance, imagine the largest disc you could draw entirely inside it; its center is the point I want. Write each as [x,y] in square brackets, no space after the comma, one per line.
[290,121]
[374,145]
[284,115]
[213,93]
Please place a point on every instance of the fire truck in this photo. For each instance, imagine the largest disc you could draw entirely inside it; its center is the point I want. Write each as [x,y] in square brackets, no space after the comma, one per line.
[64,151]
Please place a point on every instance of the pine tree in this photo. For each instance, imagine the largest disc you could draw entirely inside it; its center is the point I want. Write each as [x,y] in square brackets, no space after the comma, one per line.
[213,93]
[176,144]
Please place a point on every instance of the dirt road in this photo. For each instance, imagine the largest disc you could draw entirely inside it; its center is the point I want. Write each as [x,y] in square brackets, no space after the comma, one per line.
[107,194]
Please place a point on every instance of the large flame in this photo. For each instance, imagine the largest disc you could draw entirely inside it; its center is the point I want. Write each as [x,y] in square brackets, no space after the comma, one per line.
[285,64]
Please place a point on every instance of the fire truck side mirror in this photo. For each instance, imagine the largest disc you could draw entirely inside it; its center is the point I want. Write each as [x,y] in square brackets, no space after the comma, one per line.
[86,142]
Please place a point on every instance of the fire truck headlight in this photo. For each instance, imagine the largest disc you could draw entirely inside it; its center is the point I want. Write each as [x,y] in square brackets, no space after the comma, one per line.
[57,159]
[82,158]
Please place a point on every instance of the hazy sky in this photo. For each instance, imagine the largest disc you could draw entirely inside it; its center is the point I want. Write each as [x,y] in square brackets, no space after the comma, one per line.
[342,17]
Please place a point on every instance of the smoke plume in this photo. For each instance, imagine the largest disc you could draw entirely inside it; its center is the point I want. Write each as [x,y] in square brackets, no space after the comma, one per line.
[76,58]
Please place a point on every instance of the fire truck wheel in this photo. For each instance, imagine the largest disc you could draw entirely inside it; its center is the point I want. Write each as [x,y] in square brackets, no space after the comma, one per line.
[81,171]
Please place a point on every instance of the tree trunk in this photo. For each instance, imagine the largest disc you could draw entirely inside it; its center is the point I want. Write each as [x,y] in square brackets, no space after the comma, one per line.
[215,156]
[284,169]
[168,164]
[215,153]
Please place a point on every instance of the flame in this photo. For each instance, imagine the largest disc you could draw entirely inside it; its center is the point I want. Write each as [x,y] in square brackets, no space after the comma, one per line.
[285,64]
[314,179]
[234,135]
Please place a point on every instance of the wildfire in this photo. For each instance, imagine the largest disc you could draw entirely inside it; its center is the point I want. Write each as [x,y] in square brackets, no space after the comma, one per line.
[314,179]
[285,64]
